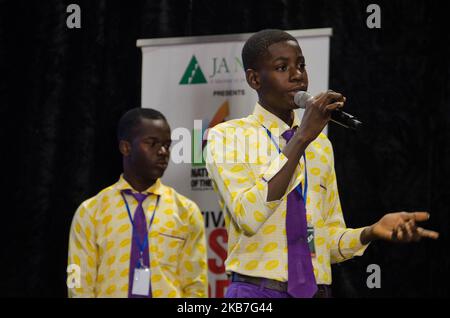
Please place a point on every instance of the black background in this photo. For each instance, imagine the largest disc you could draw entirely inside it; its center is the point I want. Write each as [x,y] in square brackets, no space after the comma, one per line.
[62,92]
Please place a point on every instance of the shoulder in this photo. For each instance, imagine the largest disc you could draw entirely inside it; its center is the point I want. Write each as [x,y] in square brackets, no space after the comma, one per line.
[234,125]
[183,203]
[90,206]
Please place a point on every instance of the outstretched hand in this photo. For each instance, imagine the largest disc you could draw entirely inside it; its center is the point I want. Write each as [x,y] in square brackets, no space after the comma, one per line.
[399,227]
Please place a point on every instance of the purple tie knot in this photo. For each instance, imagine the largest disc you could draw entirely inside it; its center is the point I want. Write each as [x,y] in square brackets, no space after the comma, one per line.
[140,197]
[287,135]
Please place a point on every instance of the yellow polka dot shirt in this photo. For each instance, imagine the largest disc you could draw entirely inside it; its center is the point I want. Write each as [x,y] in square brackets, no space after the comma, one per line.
[241,159]
[100,244]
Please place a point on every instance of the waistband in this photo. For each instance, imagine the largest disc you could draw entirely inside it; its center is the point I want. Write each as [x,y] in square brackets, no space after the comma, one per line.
[323,291]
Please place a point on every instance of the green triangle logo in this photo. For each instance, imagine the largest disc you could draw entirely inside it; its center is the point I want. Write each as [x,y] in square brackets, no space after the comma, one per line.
[193,73]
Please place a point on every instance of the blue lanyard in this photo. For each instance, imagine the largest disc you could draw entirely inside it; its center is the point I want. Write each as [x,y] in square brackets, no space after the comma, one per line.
[299,187]
[145,243]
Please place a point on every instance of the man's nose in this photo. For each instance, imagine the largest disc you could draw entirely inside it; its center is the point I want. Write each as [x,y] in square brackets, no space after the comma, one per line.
[164,150]
[297,74]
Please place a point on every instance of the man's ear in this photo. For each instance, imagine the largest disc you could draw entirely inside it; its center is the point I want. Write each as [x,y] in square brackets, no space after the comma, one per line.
[252,77]
[124,147]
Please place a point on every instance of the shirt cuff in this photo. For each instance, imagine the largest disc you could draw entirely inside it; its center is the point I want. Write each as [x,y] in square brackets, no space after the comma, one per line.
[350,243]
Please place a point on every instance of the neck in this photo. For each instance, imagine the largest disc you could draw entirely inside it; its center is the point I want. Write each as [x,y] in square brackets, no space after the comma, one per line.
[138,182]
[284,115]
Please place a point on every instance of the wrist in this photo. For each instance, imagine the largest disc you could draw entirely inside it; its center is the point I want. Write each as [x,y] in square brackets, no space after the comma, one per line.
[368,235]
[301,140]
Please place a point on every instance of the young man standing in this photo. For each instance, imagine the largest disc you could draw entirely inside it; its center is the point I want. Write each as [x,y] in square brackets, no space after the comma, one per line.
[138,237]
[284,219]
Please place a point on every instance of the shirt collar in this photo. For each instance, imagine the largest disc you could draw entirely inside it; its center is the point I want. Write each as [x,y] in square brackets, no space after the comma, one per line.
[276,126]
[157,188]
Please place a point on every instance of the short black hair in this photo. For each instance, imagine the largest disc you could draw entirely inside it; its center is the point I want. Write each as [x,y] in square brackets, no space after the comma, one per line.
[132,118]
[256,46]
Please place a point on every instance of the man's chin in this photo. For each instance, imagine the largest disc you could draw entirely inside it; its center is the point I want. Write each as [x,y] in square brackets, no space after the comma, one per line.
[158,173]
[293,106]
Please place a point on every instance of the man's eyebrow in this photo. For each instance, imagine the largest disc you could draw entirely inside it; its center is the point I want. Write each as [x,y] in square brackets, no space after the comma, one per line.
[156,138]
[283,58]
[151,137]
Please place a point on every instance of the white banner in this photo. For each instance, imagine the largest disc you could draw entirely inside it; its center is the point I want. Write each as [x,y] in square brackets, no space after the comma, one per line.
[199,82]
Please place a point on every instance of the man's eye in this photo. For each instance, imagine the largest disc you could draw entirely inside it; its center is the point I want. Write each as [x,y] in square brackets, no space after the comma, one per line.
[153,143]
[281,68]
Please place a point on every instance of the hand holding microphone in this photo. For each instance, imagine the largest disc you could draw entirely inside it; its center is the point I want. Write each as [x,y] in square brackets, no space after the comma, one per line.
[318,111]
[304,99]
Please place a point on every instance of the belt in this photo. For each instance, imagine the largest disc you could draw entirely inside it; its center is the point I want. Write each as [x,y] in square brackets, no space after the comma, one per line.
[323,291]
[259,281]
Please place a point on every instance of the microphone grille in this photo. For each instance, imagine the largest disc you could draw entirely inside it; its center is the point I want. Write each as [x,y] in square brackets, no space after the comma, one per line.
[301,98]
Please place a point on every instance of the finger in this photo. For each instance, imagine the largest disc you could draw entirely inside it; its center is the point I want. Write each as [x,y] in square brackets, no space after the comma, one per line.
[394,235]
[420,216]
[329,108]
[329,97]
[319,96]
[427,233]
[333,96]
[409,230]
[405,216]
[400,234]
[416,237]
[406,232]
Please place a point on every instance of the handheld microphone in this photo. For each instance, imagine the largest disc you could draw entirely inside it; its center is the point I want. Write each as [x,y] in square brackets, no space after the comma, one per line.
[301,99]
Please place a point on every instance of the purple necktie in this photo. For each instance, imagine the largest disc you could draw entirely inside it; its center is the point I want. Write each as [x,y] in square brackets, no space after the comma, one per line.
[301,280]
[140,232]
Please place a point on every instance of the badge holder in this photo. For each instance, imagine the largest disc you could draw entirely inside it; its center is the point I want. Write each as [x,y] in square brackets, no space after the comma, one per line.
[311,244]
[141,279]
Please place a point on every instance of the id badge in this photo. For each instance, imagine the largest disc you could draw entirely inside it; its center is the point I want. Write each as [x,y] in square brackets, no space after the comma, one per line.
[141,281]
[311,244]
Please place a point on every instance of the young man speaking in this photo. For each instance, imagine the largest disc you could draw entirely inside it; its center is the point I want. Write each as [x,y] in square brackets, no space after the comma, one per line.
[284,219]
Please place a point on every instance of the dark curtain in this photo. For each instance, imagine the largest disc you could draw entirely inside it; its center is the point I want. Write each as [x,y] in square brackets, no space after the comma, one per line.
[63,90]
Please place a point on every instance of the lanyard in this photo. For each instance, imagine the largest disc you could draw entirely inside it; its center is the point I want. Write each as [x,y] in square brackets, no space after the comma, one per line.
[142,246]
[299,187]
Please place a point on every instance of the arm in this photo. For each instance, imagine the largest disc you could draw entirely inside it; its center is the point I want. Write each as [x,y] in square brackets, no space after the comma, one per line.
[193,268]
[347,243]
[83,253]
[316,116]
[244,193]
[344,242]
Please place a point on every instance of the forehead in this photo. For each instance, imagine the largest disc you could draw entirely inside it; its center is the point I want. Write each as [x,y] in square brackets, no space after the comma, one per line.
[283,50]
[152,127]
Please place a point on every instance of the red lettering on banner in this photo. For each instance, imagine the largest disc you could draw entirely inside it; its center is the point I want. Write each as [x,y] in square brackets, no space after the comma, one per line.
[219,250]
[220,287]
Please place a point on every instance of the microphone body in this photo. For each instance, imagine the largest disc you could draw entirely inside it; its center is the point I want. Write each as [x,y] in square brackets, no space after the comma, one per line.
[302,99]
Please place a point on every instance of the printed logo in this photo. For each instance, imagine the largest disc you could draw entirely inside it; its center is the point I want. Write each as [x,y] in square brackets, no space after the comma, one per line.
[193,73]
[200,134]
[199,176]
